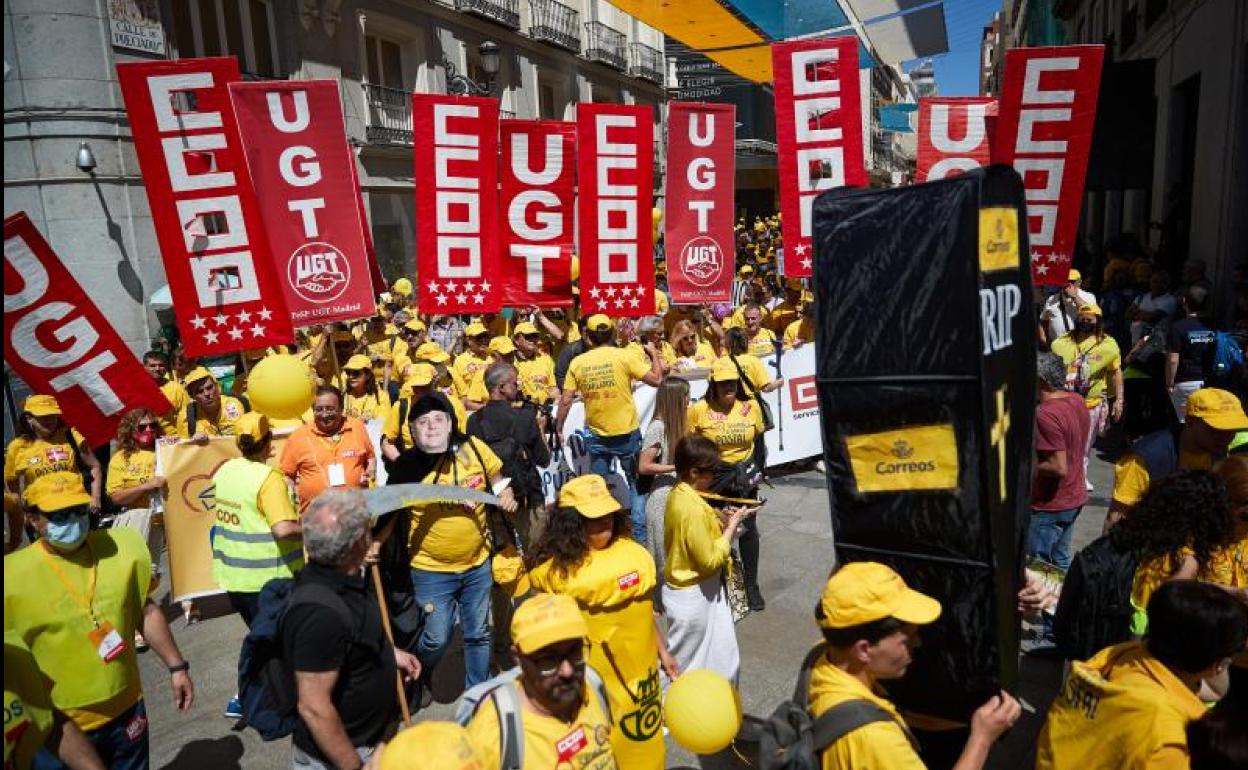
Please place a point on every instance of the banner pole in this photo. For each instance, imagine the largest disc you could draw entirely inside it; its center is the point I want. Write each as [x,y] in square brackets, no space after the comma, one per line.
[385,623]
[779,396]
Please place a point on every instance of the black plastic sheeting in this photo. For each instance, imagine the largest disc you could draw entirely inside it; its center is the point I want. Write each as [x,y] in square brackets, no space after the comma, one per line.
[900,343]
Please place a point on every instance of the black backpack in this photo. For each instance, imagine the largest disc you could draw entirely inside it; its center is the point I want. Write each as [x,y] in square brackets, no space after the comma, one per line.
[518,466]
[1095,608]
[791,740]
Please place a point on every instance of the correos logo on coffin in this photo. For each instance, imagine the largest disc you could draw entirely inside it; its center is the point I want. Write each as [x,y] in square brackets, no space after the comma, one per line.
[905,459]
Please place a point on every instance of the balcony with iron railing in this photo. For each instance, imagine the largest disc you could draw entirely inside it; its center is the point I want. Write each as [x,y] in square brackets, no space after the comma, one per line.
[505,12]
[556,24]
[645,62]
[606,45]
[389,115]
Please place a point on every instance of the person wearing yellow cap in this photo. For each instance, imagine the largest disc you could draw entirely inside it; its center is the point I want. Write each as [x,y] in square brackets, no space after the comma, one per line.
[158,367]
[47,455]
[75,599]
[1061,309]
[604,377]
[429,746]
[870,622]
[587,553]
[788,309]
[363,397]
[209,413]
[1129,706]
[536,367]
[1214,416]
[1094,371]
[562,721]
[411,335]
[472,362]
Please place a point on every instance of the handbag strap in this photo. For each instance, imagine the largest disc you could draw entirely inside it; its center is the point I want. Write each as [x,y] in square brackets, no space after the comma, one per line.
[749,386]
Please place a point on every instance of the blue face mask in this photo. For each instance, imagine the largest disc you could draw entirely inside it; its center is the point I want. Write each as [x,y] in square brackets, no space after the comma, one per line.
[66,534]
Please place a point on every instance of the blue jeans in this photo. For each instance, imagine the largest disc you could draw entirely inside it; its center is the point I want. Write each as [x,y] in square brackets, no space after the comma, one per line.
[443,595]
[121,744]
[1049,533]
[603,449]
[638,515]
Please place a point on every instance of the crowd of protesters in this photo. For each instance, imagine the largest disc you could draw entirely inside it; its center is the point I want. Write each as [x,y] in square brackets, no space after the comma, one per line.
[590,607]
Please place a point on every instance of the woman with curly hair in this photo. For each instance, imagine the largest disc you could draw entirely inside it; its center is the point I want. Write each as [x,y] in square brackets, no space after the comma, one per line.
[587,553]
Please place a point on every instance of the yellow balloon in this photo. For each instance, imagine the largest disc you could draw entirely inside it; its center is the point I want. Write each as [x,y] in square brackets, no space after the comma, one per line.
[703,711]
[656,215]
[403,287]
[281,387]
[576,267]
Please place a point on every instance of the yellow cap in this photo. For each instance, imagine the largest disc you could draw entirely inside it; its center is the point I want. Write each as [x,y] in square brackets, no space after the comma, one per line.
[57,495]
[661,303]
[252,424]
[432,746]
[431,351]
[745,270]
[524,327]
[1091,309]
[475,329]
[1219,409]
[415,325]
[589,495]
[195,375]
[502,345]
[358,361]
[1074,275]
[724,370]
[546,619]
[599,323]
[419,375]
[402,287]
[41,406]
[863,591]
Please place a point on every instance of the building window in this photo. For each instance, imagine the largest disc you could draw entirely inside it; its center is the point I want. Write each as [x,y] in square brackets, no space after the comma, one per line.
[394,232]
[243,29]
[546,102]
[384,62]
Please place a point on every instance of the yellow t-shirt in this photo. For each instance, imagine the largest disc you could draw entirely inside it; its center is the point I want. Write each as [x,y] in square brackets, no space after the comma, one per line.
[803,331]
[550,743]
[763,344]
[604,377]
[130,469]
[41,465]
[383,348]
[782,315]
[702,358]
[1090,362]
[465,370]
[54,621]
[1121,710]
[370,406]
[733,431]
[755,370]
[28,715]
[231,410]
[177,397]
[537,377]
[694,546]
[882,745]
[1131,474]
[390,427]
[452,537]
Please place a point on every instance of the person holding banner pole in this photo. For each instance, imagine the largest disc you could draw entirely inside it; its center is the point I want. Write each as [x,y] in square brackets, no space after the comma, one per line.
[209,413]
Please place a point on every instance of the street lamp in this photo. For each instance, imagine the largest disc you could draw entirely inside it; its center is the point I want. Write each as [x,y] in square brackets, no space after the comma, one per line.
[462,85]
[86,159]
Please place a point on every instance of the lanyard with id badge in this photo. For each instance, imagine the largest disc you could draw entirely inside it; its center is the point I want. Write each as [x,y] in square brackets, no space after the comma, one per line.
[103,636]
[335,472]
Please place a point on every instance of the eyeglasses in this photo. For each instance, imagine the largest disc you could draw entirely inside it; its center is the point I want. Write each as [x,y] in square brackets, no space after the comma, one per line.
[147,426]
[532,337]
[550,663]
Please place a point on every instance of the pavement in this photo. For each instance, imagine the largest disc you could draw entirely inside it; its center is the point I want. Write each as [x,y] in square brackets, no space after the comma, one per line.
[796,557]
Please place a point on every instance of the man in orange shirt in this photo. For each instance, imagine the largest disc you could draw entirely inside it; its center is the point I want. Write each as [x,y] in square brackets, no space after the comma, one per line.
[333,451]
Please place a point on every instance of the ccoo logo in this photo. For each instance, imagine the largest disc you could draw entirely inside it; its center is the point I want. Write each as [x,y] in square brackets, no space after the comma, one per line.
[702,261]
[318,272]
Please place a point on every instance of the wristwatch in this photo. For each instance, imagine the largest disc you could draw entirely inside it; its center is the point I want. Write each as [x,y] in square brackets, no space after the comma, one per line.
[183,666]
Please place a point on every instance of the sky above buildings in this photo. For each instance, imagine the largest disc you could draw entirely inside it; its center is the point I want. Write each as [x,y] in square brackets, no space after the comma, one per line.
[957,72]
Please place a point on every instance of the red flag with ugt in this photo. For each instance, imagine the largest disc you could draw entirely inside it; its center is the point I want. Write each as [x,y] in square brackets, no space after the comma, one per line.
[297,152]
[1044,130]
[538,198]
[698,232]
[818,134]
[227,295]
[456,150]
[615,169]
[60,344]
[953,135]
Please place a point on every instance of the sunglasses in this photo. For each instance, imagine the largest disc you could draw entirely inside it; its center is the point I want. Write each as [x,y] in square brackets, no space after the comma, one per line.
[355,372]
[147,426]
[532,337]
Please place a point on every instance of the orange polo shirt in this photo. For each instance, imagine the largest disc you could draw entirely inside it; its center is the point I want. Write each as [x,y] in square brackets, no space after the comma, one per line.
[309,455]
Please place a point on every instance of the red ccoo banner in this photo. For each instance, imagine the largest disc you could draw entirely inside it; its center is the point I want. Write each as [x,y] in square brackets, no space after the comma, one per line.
[456,180]
[698,226]
[301,166]
[953,135]
[59,342]
[539,195]
[818,134]
[1047,112]
[615,166]
[226,291]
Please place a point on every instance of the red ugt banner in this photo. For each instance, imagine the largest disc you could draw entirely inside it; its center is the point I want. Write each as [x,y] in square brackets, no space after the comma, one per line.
[297,152]
[59,342]
[615,166]
[1048,108]
[953,135]
[698,226]
[456,179]
[818,134]
[539,193]
[226,291]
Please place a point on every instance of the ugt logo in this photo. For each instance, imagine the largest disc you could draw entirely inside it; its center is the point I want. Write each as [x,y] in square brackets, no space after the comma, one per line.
[702,261]
[318,272]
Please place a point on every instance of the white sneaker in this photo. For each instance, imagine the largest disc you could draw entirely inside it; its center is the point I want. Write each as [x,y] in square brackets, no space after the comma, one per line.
[1088,484]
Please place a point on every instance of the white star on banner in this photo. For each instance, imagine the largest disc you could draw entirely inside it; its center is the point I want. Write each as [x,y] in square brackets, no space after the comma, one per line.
[257,330]
[485,286]
[470,286]
[634,302]
[221,320]
[211,337]
[450,287]
[265,314]
[461,298]
[595,292]
[800,249]
[236,333]
[619,303]
[611,291]
[478,298]
[806,264]
[627,291]
[433,286]
[198,322]
[1042,269]
[244,317]
[441,298]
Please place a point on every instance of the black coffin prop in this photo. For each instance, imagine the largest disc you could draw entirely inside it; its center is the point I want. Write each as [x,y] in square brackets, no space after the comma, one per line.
[926,380]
